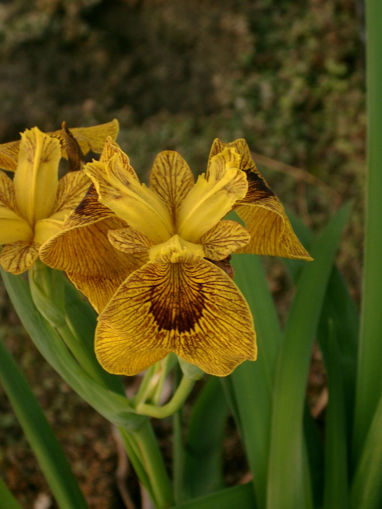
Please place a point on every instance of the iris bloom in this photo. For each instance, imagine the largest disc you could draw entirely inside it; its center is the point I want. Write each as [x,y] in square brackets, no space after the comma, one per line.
[35,204]
[169,294]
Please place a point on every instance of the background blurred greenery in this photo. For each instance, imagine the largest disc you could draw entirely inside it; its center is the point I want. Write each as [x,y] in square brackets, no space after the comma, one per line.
[286,75]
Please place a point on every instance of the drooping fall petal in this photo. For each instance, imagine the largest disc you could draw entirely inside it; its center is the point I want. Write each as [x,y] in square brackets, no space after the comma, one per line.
[261,210]
[84,252]
[132,201]
[172,179]
[88,138]
[223,239]
[18,256]
[36,177]
[191,308]
[213,196]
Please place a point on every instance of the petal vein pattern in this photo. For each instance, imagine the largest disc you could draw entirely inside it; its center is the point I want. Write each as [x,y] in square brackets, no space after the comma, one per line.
[190,308]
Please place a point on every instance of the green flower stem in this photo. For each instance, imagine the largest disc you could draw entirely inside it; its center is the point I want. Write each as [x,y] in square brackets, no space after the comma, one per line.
[134,455]
[154,466]
[166,365]
[145,387]
[179,397]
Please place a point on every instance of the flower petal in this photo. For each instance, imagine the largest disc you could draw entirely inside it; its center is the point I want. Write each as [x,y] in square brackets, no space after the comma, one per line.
[93,138]
[261,210]
[172,179]
[223,239]
[213,196]
[258,188]
[9,153]
[191,308]
[129,240]
[84,252]
[271,231]
[72,188]
[36,176]
[88,138]
[119,189]
[12,227]
[18,257]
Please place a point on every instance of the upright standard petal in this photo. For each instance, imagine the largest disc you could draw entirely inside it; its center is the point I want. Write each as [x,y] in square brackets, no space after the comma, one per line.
[172,179]
[84,252]
[191,308]
[212,197]
[36,177]
[13,228]
[261,210]
[72,188]
[119,189]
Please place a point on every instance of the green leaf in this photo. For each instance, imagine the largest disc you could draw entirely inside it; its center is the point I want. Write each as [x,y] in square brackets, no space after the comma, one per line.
[40,435]
[369,380]
[336,492]
[285,474]
[250,385]
[8,501]
[340,308]
[203,465]
[367,485]
[237,497]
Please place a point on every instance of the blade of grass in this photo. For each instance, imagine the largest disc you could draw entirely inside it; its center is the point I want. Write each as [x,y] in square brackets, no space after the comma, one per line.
[203,461]
[369,380]
[250,385]
[367,485]
[341,309]
[239,496]
[6,497]
[336,492]
[285,473]
[40,436]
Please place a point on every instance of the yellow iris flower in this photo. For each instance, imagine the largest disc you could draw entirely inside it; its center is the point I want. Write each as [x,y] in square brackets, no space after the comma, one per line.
[147,257]
[35,204]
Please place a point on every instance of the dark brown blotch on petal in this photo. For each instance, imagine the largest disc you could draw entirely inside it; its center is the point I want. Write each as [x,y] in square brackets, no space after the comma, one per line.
[257,187]
[178,305]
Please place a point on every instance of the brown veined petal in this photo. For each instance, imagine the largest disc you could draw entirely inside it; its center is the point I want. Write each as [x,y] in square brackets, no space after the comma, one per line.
[72,188]
[36,176]
[18,257]
[88,138]
[129,240]
[172,179]
[222,240]
[212,197]
[271,231]
[93,138]
[135,203]
[9,153]
[261,210]
[94,266]
[191,308]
